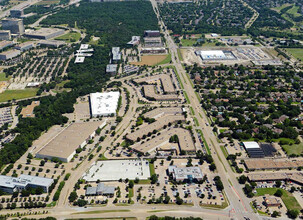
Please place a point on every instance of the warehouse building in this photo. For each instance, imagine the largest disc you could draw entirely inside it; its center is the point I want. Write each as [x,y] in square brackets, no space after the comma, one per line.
[45,33]
[153,50]
[189,174]
[296,177]
[104,104]
[114,170]
[272,164]
[253,149]
[159,112]
[208,55]
[13,184]
[5,34]
[100,190]
[15,25]
[153,42]
[6,55]
[64,145]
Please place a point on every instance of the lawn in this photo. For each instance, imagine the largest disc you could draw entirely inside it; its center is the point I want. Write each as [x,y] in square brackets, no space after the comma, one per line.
[196,121]
[166,60]
[48,2]
[17,94]
[294,11]
[70,37]
[179,54]
[3,77]
[186,97]
[101,211]
[296,52]
[288,199]
[188,42]
[205,143]
[293,149]
[278,9]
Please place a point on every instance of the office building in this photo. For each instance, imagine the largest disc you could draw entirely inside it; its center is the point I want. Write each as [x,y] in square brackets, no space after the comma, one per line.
[45,33]
[25,46]
[5,34]
[112,69]
[151,33]
[15,25]
[116,53]
[253,149]
[100,190]
[13,184]
[9,54]
[189,174]
[4,44]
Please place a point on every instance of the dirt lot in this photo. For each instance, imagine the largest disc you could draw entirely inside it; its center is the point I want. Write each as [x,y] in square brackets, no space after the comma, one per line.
[150,60]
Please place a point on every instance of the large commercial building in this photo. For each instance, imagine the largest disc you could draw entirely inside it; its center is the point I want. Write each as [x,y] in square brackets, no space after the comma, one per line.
[6,55]
[5,34]
[113,170]
[153,50]
[25,46]
[64,145]
[51,43]
[271,164]
[45,33]
[253,149]
[189,174]
[12,184]
[209,55]
[135,40]
[15,25]
[159,112]
[104,104]
[4,44]
[296,177]
[165,80]
[150,93]
[157,143]
[151,33]
[153,42]
[112,69]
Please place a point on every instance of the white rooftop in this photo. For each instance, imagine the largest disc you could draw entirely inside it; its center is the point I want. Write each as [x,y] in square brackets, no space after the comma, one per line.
[24,180]
[79,59]
[212,54]
[84,46]
[251,145]
[104,104]
[113,170]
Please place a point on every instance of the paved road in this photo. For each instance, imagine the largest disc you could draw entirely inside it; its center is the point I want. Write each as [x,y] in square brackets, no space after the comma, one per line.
[239,203]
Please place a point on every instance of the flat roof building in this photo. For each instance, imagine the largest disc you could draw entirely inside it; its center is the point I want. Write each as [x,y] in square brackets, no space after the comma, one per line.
[15,25]
[64,145]
[112,69]
[253,149]
[12,184]
[4,44]
[150,93]
[269,164]
[151,33]
[153,42]
[104,104]
[6,55]
[159,112]
[185,141]
[116,53]
[45,33]
[5,34]
[79,59]
[51,43]
[272,201]
[25,46]
[16,13]
[185,174]
[165,80]
[100,190]
[263,177]
[113,170]
[153,50]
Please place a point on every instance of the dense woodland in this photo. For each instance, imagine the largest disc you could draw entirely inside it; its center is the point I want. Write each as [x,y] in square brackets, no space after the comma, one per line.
[114,23]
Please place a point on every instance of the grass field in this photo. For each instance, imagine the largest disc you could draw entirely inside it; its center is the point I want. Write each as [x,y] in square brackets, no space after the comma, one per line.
[70,37]
[17,94]
[278,9]
[296,53]
[166,60]
[3,77]
[152,60]
[48,2]
[288,199]
[188,42]
[293,149]
[294,11]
